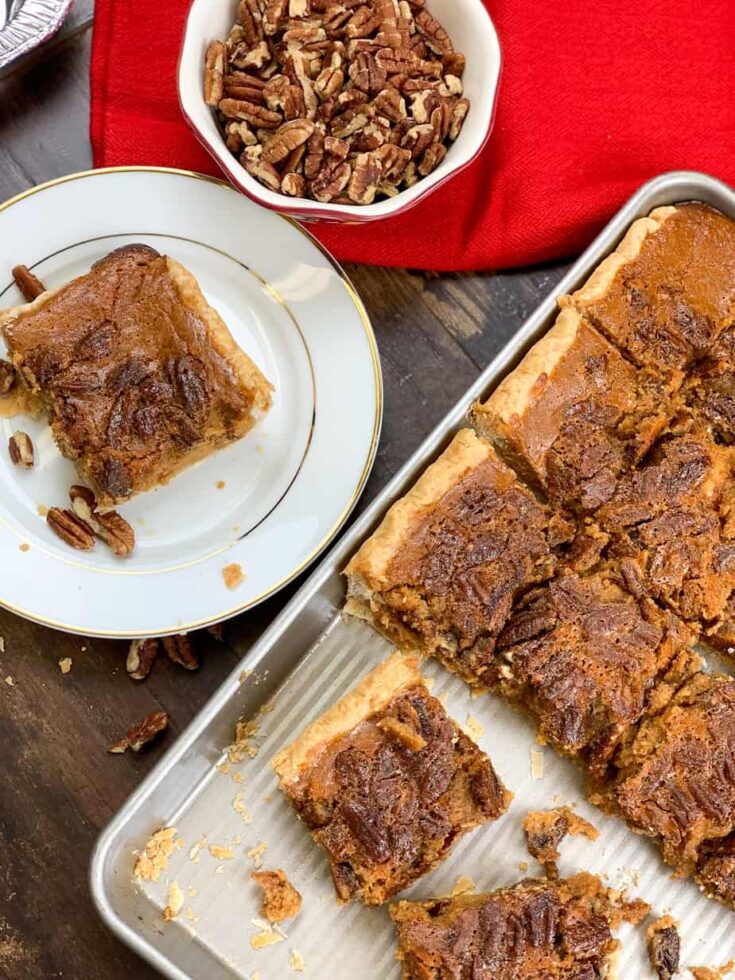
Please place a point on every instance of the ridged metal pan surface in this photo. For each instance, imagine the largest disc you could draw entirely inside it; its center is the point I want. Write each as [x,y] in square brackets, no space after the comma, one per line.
[306,659]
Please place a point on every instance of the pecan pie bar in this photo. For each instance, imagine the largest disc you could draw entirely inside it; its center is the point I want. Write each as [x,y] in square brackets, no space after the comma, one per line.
[535,929]
[670,525]
[139,376]
[386,783]
[582,656]
[668,290]
[574,414]
[443,569]
[676,779]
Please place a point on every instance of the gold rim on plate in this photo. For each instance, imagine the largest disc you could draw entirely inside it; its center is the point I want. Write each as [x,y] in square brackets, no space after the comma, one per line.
[370,459]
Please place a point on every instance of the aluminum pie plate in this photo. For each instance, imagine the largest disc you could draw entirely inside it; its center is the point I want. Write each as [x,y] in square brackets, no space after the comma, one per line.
[270,502]
[26,24]
[308,658]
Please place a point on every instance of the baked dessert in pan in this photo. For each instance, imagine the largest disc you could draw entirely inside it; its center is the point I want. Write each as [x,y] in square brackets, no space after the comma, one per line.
[619,425]
[441,572]
[535,929]
[138,375]
[386,783]
[667,292]
[583,656]
[575,414]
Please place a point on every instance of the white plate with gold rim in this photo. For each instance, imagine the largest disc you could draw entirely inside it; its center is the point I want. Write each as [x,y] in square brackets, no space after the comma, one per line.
[271,502]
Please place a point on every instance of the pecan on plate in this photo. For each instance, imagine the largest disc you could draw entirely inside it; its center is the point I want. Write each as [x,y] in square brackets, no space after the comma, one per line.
[180,650]
[109,526]
[142,734]
[29,284]
[66,525]
[141,657]
[20,450]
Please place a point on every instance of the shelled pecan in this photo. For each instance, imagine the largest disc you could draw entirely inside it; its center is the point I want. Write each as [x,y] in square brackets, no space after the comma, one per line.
[109,526]
[180,649]
[71,529]
[28,283]
[141,734]
[368,74]
[20,450]
[141,657]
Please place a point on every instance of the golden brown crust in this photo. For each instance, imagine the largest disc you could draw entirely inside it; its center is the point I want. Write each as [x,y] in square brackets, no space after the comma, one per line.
[249,375]
[514,395]
[628,250]
[366,572]
[375,691]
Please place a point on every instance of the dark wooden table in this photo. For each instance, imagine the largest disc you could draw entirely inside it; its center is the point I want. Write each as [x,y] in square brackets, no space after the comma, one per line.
[58,786]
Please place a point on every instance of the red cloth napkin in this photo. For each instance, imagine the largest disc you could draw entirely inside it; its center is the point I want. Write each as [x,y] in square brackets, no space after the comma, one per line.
[595,98]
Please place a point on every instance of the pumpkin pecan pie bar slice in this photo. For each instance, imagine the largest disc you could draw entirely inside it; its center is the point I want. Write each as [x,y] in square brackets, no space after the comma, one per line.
[441,572]
[670,526]
[532,930]
[138,375]
[575,414]
[386,783]
[675,779]
[583,657]
[668,290]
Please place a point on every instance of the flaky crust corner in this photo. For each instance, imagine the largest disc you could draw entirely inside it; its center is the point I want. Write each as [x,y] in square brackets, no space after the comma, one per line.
[598,284]
[394,675]
[248,374]
[366,571]
[495,419]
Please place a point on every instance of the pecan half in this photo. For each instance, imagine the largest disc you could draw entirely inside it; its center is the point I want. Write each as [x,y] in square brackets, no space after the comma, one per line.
[266,173]
[180,650]
[20,449]
[286,139]
[142,734]
[30,285]
[66,525]
[109,526]
[366,174]
[331,181]
[141,657]
[434,35]
[250,112]
[215,65]
[293,185]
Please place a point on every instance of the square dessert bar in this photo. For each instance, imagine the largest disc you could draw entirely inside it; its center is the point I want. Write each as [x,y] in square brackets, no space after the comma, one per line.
[138,375]
[575,414]
[386,783]
[668,290]
[708,391]
[441,572]
[671,526]
[535,929]
[583,657]
[676,779]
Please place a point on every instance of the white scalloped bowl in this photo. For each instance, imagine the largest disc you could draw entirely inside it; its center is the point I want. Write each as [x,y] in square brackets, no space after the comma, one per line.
[472,31]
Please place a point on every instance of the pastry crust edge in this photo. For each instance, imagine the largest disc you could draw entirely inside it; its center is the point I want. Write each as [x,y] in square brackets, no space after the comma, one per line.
[367,570]
[246,371]
[601,280]
[375,691]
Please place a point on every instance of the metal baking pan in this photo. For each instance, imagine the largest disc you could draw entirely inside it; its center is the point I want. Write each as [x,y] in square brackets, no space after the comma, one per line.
[26,24]
[306,659]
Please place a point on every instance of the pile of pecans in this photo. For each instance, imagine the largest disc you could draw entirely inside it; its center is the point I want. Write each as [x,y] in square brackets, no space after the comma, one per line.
[337,100]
